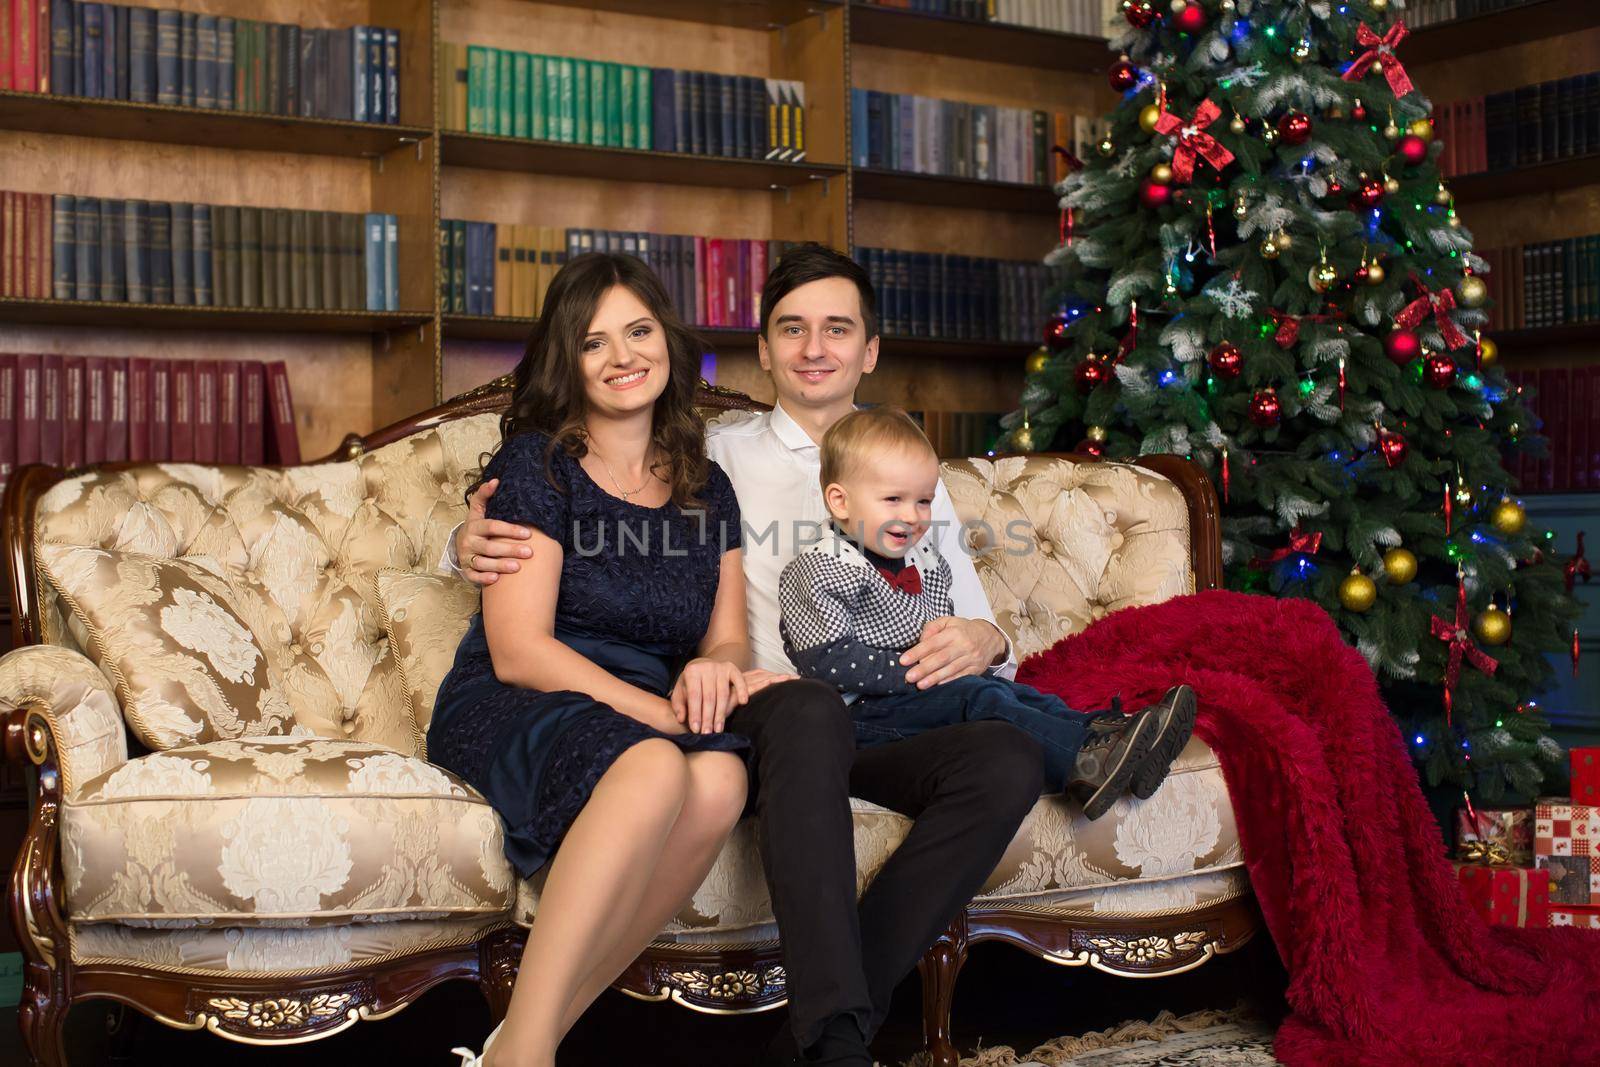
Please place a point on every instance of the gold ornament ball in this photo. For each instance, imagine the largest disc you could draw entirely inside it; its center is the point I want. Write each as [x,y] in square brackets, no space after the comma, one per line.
[1391,186]
[1463,495]
[1106,147]
[1149,115]
[1455,221]
[1492,627]
[1399,566]
[1322,277]
[1301,51]
[1422,128]
[1178,6]
[1270,248]
[1508,516]
[1241,209]
[1038,359]
[1236,124]
[1226,5]
[1376,274]
[1270,135]
[1358,592]
[1096,434]
[1472,291]
[1022,438]
[1161,174]
[1442,195]
[1380,5]
[1285,242]
[1391,132]
[1488,351]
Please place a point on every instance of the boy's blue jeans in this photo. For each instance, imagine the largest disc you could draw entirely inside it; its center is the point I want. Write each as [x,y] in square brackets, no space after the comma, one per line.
[1059,729]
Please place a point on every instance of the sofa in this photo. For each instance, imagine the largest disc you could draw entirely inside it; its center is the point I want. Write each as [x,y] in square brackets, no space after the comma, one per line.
[222,684]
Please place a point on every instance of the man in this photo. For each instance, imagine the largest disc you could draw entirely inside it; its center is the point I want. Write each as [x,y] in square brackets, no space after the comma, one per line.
[967,786]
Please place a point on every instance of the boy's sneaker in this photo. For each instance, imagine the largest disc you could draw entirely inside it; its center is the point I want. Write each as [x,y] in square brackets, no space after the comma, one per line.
[1112,752]
[1174,724]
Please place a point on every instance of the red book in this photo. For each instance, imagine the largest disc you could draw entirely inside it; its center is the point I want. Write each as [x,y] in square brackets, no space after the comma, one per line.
[41,38]
[139,409]
[716,285]
[739,285]
[285,441]
[205,411]
[758,278]
[50,410]
[1480,137]
[228,427]
[1579,415]
[160,410]
[1447,158]
[96,403]
[28,397]
[72,411]
[1594,427]
[1553,396]
[117,409]
[24,55]
[701,259]
[181,444]
[8,416]
[252,412]
[40,243]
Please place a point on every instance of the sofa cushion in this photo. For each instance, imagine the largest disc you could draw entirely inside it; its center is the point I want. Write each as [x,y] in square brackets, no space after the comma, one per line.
[1176,850]
[287,831]
[175,641]
[425,616]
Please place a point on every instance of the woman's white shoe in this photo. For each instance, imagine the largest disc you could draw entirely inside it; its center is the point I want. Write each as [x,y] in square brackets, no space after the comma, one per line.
[468,1058]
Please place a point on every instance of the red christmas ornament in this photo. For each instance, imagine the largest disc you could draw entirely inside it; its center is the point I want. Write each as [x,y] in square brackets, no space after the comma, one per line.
[1055,333]
[1411,149]
[1227,477]
[1139,13]
[1402,346]
[1578,566]
[1093,448]
[1266,410]
[1123,75]
[1439,371]
[1090,373]
[1359,112]
[1295,127]
[1393,446]
[1152,194]
[1226,360]
[1191,19]
[1370,194]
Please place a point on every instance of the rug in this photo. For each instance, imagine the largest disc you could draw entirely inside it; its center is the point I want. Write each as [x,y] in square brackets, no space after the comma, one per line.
[1201,1039]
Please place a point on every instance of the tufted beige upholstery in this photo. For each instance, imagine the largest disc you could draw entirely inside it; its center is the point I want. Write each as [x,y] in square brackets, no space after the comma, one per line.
[337,843]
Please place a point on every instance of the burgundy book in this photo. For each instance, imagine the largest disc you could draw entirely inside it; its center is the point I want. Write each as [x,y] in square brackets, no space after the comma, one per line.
[284,441]
[205,411]
[8,416]
[50,409]
[96,403]
[739,286]
[8,238]
[716,284]
[1451,137]
[758,278]
[252,412]
[180,447]
[227,411]
[1594,427]
[41,274]
[701,259]
[116,409]
[28,375]
[1553,385]
[160,410]
[1579,416]
[139,409]
[72,411]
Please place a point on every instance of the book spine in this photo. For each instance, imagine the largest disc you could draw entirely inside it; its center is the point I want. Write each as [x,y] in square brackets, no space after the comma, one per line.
[169,73]
[391,75]
[160,409]
[188,77]
[94,58]
[391,262]
[252,412]
[377,89]
[285,441]
[225,74]
[139,410]
[9,416]
[136,248]
[63,222]
[205,411]
[113,263]
[373,249]
[29,371]
[180,448]
[116,409]
[158,217]
[95,408]
[63,71]
[227,414]
[50,409]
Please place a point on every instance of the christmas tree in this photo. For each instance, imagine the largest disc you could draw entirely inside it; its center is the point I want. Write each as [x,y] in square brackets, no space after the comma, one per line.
[1264,272]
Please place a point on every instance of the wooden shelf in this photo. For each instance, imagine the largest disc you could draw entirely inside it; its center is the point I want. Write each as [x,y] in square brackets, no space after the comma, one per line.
[1531,339]
[188,317]
[743,14]
[937,348]
[1459,39]
[491,152]
[939,190]
[169,124]
[1522,181]
[991,42]
[506,328]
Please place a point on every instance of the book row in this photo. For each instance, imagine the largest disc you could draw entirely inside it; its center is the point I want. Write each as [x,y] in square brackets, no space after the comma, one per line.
[153,252]
[1428,12]
[960,434]
[1088,17]
[1567,403]
[72,410]
[1460,125]
[957,298]
[162,56]
[1552,283]
[618,105]
[1543,123]
[924,135]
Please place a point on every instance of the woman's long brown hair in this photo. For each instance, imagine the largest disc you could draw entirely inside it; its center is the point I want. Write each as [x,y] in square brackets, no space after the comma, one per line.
[548,389]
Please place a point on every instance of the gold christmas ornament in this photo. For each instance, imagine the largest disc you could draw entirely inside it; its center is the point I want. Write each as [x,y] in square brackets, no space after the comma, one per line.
[1508,517]
[1038,359]
[1454,220]
[1380,5]
[1149,115]
[1022,438]
[1472,292]
[1442,195]
[1161,174]
[1226,5]
[1375,273]
[1106,147]
[1241,208]
[1270,248]
[1391,186]
[1358,592]
[1285,242]
[1399,566]
[1492,627]
[1270,135]
[1488,351]
[1178,6]
[1391,132]
[1096,434]
[1322,277]
[1422,128]
[1463,494]
[1236,124]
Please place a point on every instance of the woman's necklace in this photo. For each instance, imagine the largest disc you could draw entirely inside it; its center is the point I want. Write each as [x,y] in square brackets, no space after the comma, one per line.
[626,493]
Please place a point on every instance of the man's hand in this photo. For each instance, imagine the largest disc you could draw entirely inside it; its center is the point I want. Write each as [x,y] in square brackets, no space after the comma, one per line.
[488,548]
[706,690]
[950,648]
[757,679]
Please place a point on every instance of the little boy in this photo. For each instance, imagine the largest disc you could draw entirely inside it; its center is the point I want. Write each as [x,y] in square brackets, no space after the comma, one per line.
[852,603]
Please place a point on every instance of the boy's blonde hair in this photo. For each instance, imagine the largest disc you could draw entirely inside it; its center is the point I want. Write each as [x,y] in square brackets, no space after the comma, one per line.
[868,432]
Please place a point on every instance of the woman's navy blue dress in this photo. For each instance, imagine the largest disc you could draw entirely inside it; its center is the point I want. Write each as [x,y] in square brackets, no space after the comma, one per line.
[637,587]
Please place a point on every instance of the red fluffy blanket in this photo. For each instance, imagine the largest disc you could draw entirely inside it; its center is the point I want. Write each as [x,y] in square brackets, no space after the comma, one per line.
[1388,964]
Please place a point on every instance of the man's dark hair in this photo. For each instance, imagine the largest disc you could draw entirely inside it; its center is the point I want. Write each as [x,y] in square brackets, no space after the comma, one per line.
[812,262]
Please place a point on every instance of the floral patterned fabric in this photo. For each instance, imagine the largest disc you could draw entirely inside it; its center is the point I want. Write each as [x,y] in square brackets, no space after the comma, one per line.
[287,831]
[424,617]
[77,704]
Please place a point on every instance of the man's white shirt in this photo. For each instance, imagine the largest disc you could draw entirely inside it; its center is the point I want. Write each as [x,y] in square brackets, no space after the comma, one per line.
[774,467]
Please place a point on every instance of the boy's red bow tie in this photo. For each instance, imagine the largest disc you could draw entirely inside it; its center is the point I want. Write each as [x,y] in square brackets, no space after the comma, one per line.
[907,581]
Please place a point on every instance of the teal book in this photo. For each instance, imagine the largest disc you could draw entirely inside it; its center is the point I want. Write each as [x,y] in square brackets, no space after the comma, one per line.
[375,261]
[504,115]
[628,104]
[477,74]
[582,85]
[491,90]
[612,100]
[536,96]
[520,70]
[569,122]
[643,107]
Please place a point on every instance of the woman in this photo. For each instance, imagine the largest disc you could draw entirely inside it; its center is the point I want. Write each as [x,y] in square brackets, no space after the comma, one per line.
[561,706]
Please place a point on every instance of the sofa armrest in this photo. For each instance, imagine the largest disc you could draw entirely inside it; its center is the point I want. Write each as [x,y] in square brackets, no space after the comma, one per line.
[55,702]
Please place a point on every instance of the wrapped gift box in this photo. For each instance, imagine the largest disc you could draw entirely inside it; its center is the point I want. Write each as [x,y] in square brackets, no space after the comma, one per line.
[1507,896]
[1588,918]
[1565,836]
[1586,776]
[1510,828]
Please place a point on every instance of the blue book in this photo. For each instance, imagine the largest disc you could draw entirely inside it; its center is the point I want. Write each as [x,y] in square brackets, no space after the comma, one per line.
[64,224]
[78,77]
[200,246]
[205,61]
[758,118]
[858,128]
[359,79]
[142,55]
[63,71]
[190,81]
[663,110]
[391,262]
[136,250]
[391,74]
[94,50]
[169,71]
[681,122]
[113,251]
[741,118]
[728,115]
[160,276]
[86,249]
[377,94]
[182,253]
[374,228]
[108,51]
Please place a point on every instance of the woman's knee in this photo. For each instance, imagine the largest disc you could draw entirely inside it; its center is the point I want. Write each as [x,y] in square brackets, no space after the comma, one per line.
[716,789]
[656,767]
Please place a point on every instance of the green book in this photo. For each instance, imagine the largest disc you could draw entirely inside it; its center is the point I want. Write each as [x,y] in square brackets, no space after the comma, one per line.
[611,98]
[241,63]
[477,67]
[582,130]
[569,122]
[520,67]
[491,90]
[645,132]
[627,105]
[505,91]
[536,91]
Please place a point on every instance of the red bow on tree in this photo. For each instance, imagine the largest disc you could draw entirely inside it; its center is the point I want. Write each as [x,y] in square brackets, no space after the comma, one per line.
[1300,544]
[1289,325]
[1380,51]
[907,581]
[1455,634]
[1194,141]
[1438,304]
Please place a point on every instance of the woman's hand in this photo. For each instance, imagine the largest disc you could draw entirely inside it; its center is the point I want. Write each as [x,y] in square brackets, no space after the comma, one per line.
[706,690]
